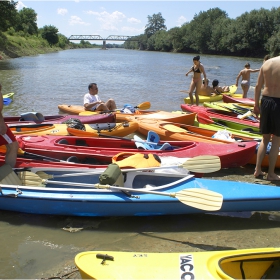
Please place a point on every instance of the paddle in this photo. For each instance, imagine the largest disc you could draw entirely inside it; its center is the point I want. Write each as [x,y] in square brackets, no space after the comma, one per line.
[127,139]
[198,198]
[23,153]
[198,164]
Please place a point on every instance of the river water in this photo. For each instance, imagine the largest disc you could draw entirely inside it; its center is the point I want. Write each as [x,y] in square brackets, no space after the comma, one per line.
[36,246]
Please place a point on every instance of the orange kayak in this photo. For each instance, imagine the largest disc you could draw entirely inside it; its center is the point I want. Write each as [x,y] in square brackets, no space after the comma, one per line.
[180,132]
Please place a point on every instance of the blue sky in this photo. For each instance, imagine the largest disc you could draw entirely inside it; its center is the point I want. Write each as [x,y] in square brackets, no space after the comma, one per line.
[129,18]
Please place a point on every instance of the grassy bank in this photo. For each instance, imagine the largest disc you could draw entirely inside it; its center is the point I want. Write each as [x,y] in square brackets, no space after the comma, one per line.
[12,46]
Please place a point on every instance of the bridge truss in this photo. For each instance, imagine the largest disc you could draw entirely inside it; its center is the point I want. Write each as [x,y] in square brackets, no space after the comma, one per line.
[98,37]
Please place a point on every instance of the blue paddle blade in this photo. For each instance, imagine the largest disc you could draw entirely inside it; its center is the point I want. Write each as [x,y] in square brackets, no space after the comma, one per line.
[7,101]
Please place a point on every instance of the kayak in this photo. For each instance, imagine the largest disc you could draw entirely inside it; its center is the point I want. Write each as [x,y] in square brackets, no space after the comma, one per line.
[203,98]
[7,101]
[164,116]
[33,117]
[231,154]
[122,117]
[227,106]
[102,150]
[9,95]
[221,115]
[131,193]
[232,99]
[259,263]
[120,129]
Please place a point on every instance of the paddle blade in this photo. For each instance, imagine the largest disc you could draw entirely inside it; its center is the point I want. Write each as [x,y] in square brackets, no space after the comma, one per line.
[173,128]
[44,175]
[88,113]
[30,179]
[232,89]
[203,164]
[201,199]
[144,106]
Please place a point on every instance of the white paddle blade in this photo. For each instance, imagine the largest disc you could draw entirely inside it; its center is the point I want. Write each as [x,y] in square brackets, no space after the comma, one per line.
[201,199]
[203,164]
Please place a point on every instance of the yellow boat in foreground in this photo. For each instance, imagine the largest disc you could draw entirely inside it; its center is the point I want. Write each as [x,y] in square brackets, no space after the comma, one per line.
[261,263]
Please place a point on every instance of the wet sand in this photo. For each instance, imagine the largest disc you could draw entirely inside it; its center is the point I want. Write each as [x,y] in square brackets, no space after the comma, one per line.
[206,233]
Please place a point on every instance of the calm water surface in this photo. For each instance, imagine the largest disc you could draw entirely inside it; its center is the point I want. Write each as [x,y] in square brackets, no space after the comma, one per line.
[41,246]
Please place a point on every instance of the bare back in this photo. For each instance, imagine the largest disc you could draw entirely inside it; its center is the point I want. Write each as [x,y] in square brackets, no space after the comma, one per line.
[245,73]
[270,77]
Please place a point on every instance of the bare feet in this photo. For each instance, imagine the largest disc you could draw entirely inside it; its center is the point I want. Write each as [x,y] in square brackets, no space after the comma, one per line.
[273,177]
[259,173]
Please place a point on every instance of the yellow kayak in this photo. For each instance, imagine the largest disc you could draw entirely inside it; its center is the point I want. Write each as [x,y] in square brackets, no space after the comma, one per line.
[115,129]
[261,263]
[9,95]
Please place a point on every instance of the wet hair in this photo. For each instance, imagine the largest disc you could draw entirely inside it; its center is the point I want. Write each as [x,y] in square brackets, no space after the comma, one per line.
[197,58]
[215,82]
[247,64]
[266,57]
[90,85]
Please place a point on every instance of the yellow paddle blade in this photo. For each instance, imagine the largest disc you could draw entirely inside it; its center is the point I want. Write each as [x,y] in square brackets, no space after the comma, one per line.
[232,89]
[200,198]
[30,179]
[144,106]
[203,164]
[173,128]
[87,113]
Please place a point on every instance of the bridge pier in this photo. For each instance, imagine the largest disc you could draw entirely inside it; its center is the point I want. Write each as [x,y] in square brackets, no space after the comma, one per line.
[104,45]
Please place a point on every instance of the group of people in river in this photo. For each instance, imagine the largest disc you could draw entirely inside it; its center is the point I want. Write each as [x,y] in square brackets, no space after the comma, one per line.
[201,86]
[268,87]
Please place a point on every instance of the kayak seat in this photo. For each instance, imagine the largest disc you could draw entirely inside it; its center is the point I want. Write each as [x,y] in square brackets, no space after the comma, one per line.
[153,137]
[112,176]
[32,116]
[146,146]
[73,159]
[63,141]
[8,176]
[80,142]
[102,126]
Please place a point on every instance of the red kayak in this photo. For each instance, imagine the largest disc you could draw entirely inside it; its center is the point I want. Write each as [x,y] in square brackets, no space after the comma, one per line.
[57,119]
[101,150]
[219,114]
[231,99]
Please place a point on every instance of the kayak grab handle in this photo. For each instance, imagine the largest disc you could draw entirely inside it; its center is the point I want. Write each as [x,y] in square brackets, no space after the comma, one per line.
[104,257]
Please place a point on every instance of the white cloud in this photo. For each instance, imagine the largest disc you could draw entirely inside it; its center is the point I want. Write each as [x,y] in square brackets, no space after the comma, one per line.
[133,30]
[20,5]
[74,20]
[108,21]
[62,11]
[181,20]
[133,20]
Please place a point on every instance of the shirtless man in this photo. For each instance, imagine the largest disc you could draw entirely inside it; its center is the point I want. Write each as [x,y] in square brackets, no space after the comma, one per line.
[245,83]
[7,138]
[205,89]
[268,80]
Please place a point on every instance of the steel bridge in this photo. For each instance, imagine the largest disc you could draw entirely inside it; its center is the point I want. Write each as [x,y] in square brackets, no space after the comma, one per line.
[98,37]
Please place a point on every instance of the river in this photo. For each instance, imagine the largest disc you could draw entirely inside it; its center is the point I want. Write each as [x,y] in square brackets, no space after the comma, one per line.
[36,246]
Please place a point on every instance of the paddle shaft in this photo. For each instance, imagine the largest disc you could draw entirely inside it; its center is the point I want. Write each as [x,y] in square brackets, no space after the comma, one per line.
[127,139]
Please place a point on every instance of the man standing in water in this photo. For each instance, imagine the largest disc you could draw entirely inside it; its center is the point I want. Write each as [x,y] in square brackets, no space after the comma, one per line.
[245,83]
[268,80]
[7,138]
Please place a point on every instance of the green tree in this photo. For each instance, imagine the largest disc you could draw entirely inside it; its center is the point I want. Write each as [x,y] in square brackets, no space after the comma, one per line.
[49,32]
[27,21]
[8,14]
[155,23]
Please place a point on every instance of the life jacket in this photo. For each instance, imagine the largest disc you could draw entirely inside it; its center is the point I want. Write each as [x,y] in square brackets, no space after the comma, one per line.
[137,160]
